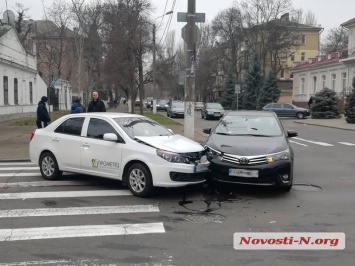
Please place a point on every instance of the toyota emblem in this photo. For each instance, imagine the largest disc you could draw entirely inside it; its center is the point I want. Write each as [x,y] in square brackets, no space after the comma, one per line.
[243,161]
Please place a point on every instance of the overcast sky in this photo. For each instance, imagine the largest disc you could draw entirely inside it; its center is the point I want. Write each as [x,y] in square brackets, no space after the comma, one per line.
[328,13]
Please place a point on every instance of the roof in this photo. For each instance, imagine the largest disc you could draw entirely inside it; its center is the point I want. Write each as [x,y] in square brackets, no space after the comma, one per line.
[348,23]
[109,115]
[4,29]
[335,58]
[46,28]
[258,113]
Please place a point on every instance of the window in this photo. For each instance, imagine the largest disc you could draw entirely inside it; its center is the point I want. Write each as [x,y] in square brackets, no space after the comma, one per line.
[291,76]
[293,56]
[334,77]
[15,91]
[302,85]
[282,73]
[6,90]
[323,81]
[287,106]
[303,39]
[31,93]
[71,126]
[303,56]
[276,105]
[98,127]
[343,82]
[314,84]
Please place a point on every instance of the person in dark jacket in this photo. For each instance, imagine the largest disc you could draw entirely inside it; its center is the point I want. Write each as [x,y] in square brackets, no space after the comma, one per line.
[96,105]
[76,107]
[42,113]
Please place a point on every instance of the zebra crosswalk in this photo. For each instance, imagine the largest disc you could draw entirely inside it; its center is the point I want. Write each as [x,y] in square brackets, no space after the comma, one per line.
[17,177]
[307,143]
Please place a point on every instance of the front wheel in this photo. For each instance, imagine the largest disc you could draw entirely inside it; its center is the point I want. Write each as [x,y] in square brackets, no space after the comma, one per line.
[139,180]
[300,115]
[49,166]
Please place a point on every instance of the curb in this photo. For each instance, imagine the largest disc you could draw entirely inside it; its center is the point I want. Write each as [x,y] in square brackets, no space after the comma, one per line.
[311,124]
[14,160]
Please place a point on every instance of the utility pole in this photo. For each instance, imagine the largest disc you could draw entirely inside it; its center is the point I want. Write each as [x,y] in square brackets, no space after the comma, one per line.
[190,35]
[154,74]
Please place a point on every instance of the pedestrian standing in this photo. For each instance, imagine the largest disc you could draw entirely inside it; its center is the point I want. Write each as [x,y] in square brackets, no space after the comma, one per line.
[310,102]
[76,107]
[42,113]
[96,105]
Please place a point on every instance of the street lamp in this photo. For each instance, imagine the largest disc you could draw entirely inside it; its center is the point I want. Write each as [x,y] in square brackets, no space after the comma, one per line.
[154,58]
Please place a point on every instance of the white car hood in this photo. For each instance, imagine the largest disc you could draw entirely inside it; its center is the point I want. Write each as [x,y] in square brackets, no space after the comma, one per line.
[175,143]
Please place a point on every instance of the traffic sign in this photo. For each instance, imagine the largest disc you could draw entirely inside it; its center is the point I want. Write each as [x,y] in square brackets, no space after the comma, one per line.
[185,31]
[183,17]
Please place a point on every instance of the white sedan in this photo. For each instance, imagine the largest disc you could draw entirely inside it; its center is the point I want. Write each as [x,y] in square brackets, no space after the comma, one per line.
[131,148]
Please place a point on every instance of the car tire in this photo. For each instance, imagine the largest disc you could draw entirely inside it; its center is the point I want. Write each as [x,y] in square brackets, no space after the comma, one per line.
[49,167]
[167,114]
[139,180]
[300,115]
[202,115]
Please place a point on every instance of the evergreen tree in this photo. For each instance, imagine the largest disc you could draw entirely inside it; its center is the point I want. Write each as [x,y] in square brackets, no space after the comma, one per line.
[350,106]
[253,82]
[269,92]
[325,105]
[228,98]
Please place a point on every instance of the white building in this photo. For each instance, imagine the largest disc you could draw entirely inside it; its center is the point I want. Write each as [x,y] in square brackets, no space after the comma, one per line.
[334,71]
[21,88]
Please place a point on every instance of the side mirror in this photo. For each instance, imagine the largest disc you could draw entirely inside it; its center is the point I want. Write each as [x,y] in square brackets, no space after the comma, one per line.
[207,130]
[110,137]
[291,134]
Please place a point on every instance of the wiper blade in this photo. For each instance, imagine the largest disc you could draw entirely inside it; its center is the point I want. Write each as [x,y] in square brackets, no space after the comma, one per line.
[222,133]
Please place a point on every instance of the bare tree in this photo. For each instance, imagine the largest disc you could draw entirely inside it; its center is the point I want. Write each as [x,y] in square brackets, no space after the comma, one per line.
[335,41]
[298,16]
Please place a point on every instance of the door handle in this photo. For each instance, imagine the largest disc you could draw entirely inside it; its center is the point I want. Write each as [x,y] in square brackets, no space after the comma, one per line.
[85,145]
[55,140]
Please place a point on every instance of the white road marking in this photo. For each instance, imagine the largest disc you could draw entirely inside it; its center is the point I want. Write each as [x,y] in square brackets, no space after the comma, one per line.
[77,211]
[65,194]
[315,142]
[19,168]
[47,184]
[77,262]
[15,163]
[299,143]
[80,231]
[347,143]
[19,174]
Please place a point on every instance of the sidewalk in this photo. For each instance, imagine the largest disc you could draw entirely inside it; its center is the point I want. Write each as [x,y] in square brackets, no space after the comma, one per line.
[338,123]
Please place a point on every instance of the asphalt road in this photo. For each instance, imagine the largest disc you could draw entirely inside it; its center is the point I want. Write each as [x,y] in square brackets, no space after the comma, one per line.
[186,226]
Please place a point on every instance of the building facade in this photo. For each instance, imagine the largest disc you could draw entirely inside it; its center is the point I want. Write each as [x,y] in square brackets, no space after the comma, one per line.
[334,71]
[21,87]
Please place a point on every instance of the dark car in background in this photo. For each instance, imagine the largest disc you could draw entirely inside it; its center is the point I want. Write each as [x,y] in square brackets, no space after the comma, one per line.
[148,102]
[251,147]
[287,110]
[162,105]
[212,110]
[176,109]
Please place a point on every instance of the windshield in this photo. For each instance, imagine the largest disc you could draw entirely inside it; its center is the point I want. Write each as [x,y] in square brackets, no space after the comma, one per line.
[248,125]
[178,105]
[214,105]
[141,127]
[161,102]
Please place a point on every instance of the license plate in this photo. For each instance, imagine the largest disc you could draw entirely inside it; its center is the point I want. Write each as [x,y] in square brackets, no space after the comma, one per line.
[244,173]
[202,166]
[217,114]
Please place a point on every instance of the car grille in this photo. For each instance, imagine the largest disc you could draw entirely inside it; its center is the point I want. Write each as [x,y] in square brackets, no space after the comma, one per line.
[253,160]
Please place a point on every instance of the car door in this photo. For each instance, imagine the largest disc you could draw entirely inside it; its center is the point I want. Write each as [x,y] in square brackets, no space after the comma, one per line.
[277,108]
[98,156]
[288,110]
[66,143]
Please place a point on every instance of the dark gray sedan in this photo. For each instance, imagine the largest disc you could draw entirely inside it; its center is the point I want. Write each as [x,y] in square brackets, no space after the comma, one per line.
[287,110]
[212,110]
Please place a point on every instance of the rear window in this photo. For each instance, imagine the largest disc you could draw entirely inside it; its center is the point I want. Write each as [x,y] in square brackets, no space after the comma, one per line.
[71,126]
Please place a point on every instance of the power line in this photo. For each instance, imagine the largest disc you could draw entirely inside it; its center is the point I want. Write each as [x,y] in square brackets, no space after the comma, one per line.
[166,3]
[168,25]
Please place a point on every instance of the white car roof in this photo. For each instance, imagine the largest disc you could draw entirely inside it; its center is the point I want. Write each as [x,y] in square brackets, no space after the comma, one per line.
[107,114]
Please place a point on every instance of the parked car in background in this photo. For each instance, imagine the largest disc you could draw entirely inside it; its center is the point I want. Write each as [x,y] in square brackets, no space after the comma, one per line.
[162,105]
[212,110]
[251,147]
[127,147]
[198,106]
[176,109]
[287,110]
[148,102]
[137,102]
